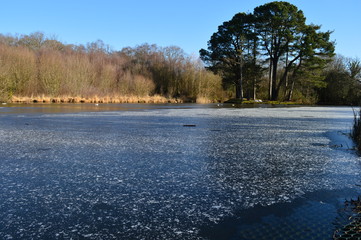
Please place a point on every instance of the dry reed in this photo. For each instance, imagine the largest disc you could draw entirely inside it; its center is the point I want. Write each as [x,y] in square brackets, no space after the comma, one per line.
[95,99]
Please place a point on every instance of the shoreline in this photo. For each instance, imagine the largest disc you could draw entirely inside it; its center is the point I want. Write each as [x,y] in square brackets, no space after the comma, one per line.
[155,99]
[94,99]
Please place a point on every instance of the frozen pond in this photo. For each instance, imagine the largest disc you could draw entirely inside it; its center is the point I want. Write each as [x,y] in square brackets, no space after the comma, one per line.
[168,172]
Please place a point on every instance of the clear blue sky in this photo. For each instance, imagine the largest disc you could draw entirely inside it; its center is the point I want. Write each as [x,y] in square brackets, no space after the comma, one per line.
[184,23]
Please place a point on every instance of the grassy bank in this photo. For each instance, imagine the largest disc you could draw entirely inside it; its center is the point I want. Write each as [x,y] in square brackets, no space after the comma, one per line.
[239,101]
[132,99]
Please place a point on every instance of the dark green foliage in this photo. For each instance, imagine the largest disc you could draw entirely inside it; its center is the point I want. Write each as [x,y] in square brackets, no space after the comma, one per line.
[230,49]
[343,82]
[275,36]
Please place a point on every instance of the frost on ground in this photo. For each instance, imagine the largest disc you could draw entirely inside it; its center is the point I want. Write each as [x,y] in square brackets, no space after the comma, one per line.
[143,175]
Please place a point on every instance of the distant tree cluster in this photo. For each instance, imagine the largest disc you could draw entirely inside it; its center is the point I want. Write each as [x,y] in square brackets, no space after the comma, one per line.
[34,64]
[271,51]
[343,82]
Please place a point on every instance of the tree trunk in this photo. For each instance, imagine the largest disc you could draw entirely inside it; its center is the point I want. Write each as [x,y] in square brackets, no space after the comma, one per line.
[238,93]
[254,88]
[270,80]
[274,79]
[254,52]
[239,85]
[291,91]
[284,80]
[293,77]
[239,90]
[286,76]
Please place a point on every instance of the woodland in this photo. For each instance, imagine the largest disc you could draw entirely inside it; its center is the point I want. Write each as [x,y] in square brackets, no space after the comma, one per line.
[34,65]
[270,54]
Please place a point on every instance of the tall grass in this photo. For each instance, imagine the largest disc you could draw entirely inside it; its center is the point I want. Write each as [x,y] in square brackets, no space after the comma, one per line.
[95,99]
[356,131]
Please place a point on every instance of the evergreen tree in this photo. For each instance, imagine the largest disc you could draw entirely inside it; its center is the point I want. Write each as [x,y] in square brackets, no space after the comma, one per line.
[276,32]
[229,49]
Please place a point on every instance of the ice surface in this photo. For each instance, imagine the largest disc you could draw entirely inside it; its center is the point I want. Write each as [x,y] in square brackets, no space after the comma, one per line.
[142,175]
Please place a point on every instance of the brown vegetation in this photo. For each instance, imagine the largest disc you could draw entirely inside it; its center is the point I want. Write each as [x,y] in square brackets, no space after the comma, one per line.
[95,99]
[37,69]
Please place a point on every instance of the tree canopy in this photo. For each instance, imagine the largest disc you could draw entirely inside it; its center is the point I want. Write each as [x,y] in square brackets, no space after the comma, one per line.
[275,37]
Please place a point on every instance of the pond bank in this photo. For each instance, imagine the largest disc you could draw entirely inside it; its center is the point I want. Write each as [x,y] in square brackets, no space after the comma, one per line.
[139,99]
[95,99]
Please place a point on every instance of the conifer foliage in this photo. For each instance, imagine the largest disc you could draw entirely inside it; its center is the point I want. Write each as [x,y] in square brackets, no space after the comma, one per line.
[275,37]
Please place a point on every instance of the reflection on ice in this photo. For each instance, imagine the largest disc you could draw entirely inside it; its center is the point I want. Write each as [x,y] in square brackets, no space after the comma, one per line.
[141,174]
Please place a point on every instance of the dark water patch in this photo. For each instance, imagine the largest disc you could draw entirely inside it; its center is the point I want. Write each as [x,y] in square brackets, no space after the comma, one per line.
[319,144]
[43,149]
[316,215]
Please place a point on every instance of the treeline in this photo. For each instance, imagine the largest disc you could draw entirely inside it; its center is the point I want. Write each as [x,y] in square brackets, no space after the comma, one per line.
[33,65]
[272,54]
